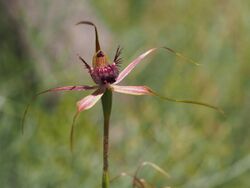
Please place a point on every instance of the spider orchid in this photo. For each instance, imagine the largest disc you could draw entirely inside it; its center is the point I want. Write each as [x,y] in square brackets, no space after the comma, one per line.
[106,75]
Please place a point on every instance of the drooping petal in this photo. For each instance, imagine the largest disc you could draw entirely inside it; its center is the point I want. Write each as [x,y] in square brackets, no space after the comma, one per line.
[84,104]
[64,88]
[90,100]
[135,62]
[144,90]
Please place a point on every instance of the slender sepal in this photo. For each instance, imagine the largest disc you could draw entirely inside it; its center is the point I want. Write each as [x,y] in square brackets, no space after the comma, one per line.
[97,44]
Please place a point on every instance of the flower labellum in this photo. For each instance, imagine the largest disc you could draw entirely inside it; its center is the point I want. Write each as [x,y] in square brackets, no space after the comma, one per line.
[103,72]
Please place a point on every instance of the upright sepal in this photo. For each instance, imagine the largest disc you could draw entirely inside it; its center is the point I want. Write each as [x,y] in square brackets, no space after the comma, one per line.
[97,44]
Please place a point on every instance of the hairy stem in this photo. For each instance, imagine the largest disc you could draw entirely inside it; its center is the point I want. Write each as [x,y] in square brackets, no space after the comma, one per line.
[107,106]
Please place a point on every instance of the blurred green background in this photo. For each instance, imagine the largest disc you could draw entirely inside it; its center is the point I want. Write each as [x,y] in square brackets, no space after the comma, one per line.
[197,146]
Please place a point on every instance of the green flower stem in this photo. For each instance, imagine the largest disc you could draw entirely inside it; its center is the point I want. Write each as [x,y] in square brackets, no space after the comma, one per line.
[107,106]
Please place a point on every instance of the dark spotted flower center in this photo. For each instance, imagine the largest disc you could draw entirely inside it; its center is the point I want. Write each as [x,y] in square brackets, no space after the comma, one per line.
[106,74]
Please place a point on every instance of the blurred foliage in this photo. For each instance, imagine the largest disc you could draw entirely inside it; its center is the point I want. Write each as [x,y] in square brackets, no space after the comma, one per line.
[196,146]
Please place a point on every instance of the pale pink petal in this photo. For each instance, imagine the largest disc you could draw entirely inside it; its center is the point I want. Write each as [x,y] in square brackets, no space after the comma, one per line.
[84,104]
[90,100]
[132,65]
[144,90]
[132,90]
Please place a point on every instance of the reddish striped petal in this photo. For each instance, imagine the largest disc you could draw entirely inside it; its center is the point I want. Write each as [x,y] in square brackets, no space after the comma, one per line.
[132,90]
[90,100]
[84,104]
[132,65]
[144,90]
[69,88]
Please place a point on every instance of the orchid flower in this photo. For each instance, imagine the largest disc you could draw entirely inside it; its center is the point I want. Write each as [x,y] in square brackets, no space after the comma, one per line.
[107,77]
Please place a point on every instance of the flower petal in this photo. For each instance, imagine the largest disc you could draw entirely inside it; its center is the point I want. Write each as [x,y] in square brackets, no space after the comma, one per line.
[144,90]
[132,90]
[84,104]
[64,88]
[69,88]
[133,64]
[90,100]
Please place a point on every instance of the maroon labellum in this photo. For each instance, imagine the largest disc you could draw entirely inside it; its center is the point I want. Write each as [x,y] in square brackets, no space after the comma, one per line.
[105,75]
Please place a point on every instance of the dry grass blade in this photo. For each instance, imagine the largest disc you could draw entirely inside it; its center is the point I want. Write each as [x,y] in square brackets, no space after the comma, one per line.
[123,174]
[136,182]
[24,115]
[154,166]
[139,182]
